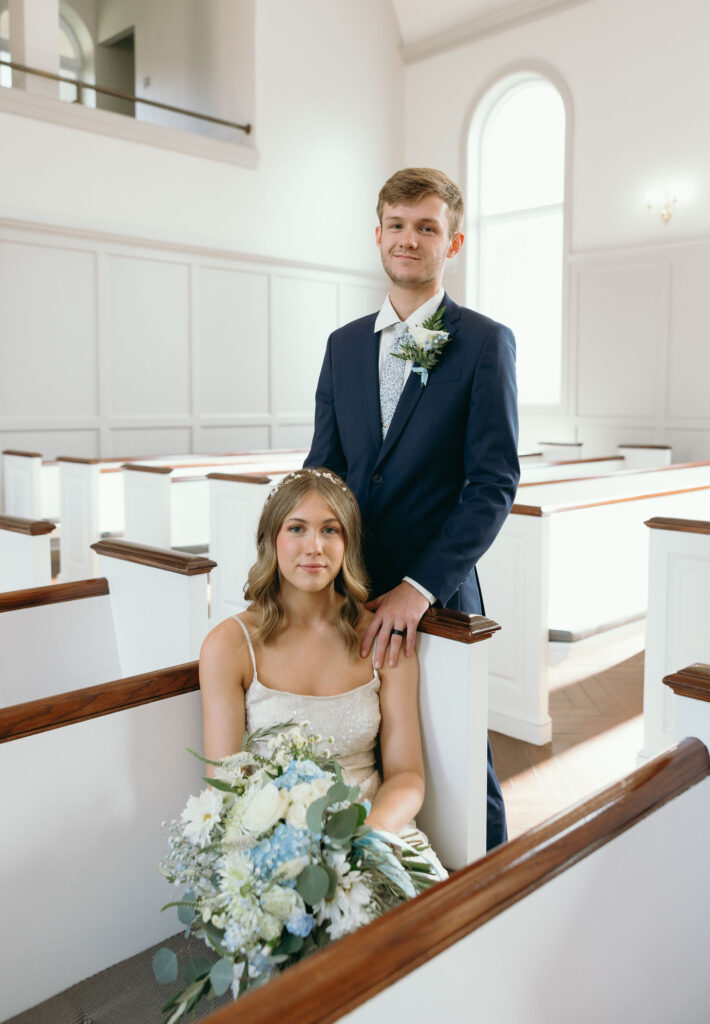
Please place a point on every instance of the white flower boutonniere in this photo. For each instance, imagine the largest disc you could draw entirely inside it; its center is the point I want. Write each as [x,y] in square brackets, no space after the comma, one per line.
[424,344]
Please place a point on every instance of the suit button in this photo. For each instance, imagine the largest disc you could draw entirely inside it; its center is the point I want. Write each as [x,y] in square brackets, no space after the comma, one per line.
[377,478]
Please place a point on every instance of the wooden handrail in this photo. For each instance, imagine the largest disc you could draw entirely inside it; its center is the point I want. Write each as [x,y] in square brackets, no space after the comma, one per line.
[241,478]
[620,473]
[33,527]
[79,84]
[660,447]
[561,444]
[678,525]
[460,626]
[693,681]
[55,593]
[77,459]
[157,558]
[26,455]
[581,462]
[47,713]
[341,977]
[137,467]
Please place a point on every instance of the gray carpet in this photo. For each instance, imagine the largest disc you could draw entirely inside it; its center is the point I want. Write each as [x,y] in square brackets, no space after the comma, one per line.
[126,993]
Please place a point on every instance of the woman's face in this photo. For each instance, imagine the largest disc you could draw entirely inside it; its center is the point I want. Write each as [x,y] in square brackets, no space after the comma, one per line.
[310,545]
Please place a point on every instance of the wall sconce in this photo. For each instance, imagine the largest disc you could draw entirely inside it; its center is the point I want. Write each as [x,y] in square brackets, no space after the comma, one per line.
[661,203]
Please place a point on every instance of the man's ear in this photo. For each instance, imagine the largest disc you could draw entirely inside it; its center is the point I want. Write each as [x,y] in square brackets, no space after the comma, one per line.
[455,245]
[378,235]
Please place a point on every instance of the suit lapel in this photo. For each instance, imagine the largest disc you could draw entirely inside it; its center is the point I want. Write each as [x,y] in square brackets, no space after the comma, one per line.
[412,391]
[369,378]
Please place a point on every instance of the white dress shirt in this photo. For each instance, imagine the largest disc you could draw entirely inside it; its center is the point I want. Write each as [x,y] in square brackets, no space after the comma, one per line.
[385,324]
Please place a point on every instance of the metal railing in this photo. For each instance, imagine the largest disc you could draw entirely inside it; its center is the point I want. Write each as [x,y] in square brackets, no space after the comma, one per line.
[117,94]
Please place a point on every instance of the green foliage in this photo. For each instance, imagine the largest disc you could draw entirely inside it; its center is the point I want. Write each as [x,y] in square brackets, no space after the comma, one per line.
[165,966]
[315,812]
[288,945]
[313,883]
[221,976]
[435,322]
[194,969]
[341,825]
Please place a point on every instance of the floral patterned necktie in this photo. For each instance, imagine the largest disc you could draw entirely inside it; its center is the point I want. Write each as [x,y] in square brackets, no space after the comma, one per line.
[392,378]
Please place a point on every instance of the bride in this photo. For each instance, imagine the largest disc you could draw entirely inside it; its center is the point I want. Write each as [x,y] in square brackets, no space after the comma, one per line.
[294,654]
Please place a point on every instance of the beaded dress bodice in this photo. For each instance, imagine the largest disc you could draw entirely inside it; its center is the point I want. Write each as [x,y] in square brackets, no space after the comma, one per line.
[351,718]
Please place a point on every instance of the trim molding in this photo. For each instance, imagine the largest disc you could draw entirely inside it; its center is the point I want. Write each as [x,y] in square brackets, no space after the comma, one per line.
[32,527]
[693,681]
[55,593]
[157,558]
[484,25]
[460,626]
[678,525]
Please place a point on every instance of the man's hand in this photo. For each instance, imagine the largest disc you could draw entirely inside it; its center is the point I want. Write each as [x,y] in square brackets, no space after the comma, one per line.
[401,608]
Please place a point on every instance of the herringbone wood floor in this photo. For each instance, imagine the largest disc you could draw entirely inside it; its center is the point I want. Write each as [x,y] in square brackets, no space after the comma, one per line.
[596,699]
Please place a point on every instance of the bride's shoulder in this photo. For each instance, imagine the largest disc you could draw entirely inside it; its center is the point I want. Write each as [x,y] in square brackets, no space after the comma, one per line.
[227,642]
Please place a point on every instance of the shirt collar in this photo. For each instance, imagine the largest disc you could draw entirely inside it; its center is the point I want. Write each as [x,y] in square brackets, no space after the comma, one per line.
[387,316]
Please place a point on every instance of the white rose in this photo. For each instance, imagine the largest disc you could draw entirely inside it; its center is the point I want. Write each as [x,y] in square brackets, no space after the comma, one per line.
[302,793]
[320,787]
[270,927]
[282,903]
[265,808]
[425,338]
[296,816]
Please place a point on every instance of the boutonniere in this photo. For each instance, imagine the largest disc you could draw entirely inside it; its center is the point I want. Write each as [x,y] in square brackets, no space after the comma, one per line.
[424,344]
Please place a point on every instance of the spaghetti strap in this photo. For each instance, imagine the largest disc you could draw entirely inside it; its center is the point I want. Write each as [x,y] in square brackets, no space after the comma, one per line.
[249,644]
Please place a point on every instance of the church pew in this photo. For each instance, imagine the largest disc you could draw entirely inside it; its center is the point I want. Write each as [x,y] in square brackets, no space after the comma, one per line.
[678,621]
[25,558]
[148,610]
[639,456]
[559,925]
[100,894]
[30,485]
[556,450]
[169,505]
[571,560]
[571,468]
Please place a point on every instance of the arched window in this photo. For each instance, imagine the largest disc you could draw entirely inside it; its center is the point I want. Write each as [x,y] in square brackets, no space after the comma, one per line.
[516,166]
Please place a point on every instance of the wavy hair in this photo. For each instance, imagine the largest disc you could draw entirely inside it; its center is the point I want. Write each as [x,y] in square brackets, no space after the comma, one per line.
[262,587]
[411,184]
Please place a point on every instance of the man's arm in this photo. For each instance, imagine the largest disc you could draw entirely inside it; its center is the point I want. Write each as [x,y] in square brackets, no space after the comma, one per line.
[326,449]
[492,474]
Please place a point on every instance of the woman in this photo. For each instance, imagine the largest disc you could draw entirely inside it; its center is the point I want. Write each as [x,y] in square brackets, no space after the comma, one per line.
[295,653]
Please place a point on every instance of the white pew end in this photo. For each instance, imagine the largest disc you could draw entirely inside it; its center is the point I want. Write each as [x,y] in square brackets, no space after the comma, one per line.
[641,456]
[555,450]
[600,876]
[79,518]
[691,697]
[678,622]
[159,600]
[22,483]
[25,557]
[56,638]
[84,786]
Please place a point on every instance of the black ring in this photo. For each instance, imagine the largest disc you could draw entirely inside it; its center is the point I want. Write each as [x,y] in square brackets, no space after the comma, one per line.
[399,632]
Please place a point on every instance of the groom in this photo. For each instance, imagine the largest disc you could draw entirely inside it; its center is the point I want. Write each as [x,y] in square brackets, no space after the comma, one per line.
[431,455]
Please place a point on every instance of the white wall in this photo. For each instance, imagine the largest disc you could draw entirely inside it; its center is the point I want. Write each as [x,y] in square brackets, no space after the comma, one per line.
[91,316]
[636,77]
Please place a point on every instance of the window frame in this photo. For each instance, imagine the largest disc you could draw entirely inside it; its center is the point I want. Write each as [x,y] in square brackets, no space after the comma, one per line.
[487,98]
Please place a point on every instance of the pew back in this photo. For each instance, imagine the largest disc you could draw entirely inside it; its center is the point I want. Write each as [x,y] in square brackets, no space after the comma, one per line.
[25,557]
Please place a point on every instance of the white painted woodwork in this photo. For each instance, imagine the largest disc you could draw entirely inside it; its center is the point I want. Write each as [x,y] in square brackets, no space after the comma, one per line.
[575,570]
[638,457]
[94,793]
[531,472]
[599,911]
[554,450]
[57,647]
[22,486]
[79,515]
[160,616]
[25,560]
[147,508]
[686,384]
[453,700]
[677,626]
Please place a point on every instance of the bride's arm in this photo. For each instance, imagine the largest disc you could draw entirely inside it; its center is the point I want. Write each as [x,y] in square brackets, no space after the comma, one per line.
[402,791]
[222,670]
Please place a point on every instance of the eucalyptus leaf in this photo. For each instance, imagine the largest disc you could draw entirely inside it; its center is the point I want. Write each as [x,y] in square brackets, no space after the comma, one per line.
[332,882]
[313,883]
[287,945]
[165,966]
[341,825]
[194,969]
[315,812]
[186,915]
[221,975]
[337,792]
[220,784]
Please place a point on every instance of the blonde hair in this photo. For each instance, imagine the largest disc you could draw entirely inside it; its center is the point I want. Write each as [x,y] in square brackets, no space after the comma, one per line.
[262,587]
[411,184]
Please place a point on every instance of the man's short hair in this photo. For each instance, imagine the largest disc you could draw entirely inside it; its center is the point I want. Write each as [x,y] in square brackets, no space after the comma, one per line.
[411,184]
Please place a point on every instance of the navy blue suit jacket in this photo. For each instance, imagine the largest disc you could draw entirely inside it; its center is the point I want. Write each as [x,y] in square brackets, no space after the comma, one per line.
[435,493]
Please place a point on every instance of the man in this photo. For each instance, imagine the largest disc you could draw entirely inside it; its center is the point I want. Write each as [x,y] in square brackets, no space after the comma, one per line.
[431,456]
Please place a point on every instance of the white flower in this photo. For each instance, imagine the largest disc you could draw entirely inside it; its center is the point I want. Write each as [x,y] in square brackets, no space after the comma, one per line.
[235,870]
[201,815]
[237,972]
[282,903]
[349,907]
[231,769]
[265,808]
[270,927]
[425,339]
[296,816]
[292,868]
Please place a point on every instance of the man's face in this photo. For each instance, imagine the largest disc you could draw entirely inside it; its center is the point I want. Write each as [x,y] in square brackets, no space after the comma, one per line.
[414,242]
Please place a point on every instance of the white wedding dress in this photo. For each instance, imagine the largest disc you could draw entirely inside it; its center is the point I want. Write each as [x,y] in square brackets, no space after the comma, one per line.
[351,718]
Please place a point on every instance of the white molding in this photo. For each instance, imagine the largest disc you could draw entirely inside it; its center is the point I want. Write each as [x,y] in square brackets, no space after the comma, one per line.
[120,126]
[484,25]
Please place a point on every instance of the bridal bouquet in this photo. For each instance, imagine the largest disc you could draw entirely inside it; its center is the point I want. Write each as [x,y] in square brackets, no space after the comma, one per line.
[276,863]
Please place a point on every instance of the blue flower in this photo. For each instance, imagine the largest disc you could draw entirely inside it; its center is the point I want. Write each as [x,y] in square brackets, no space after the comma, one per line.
[300,924]
[299,771]
[286,843]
